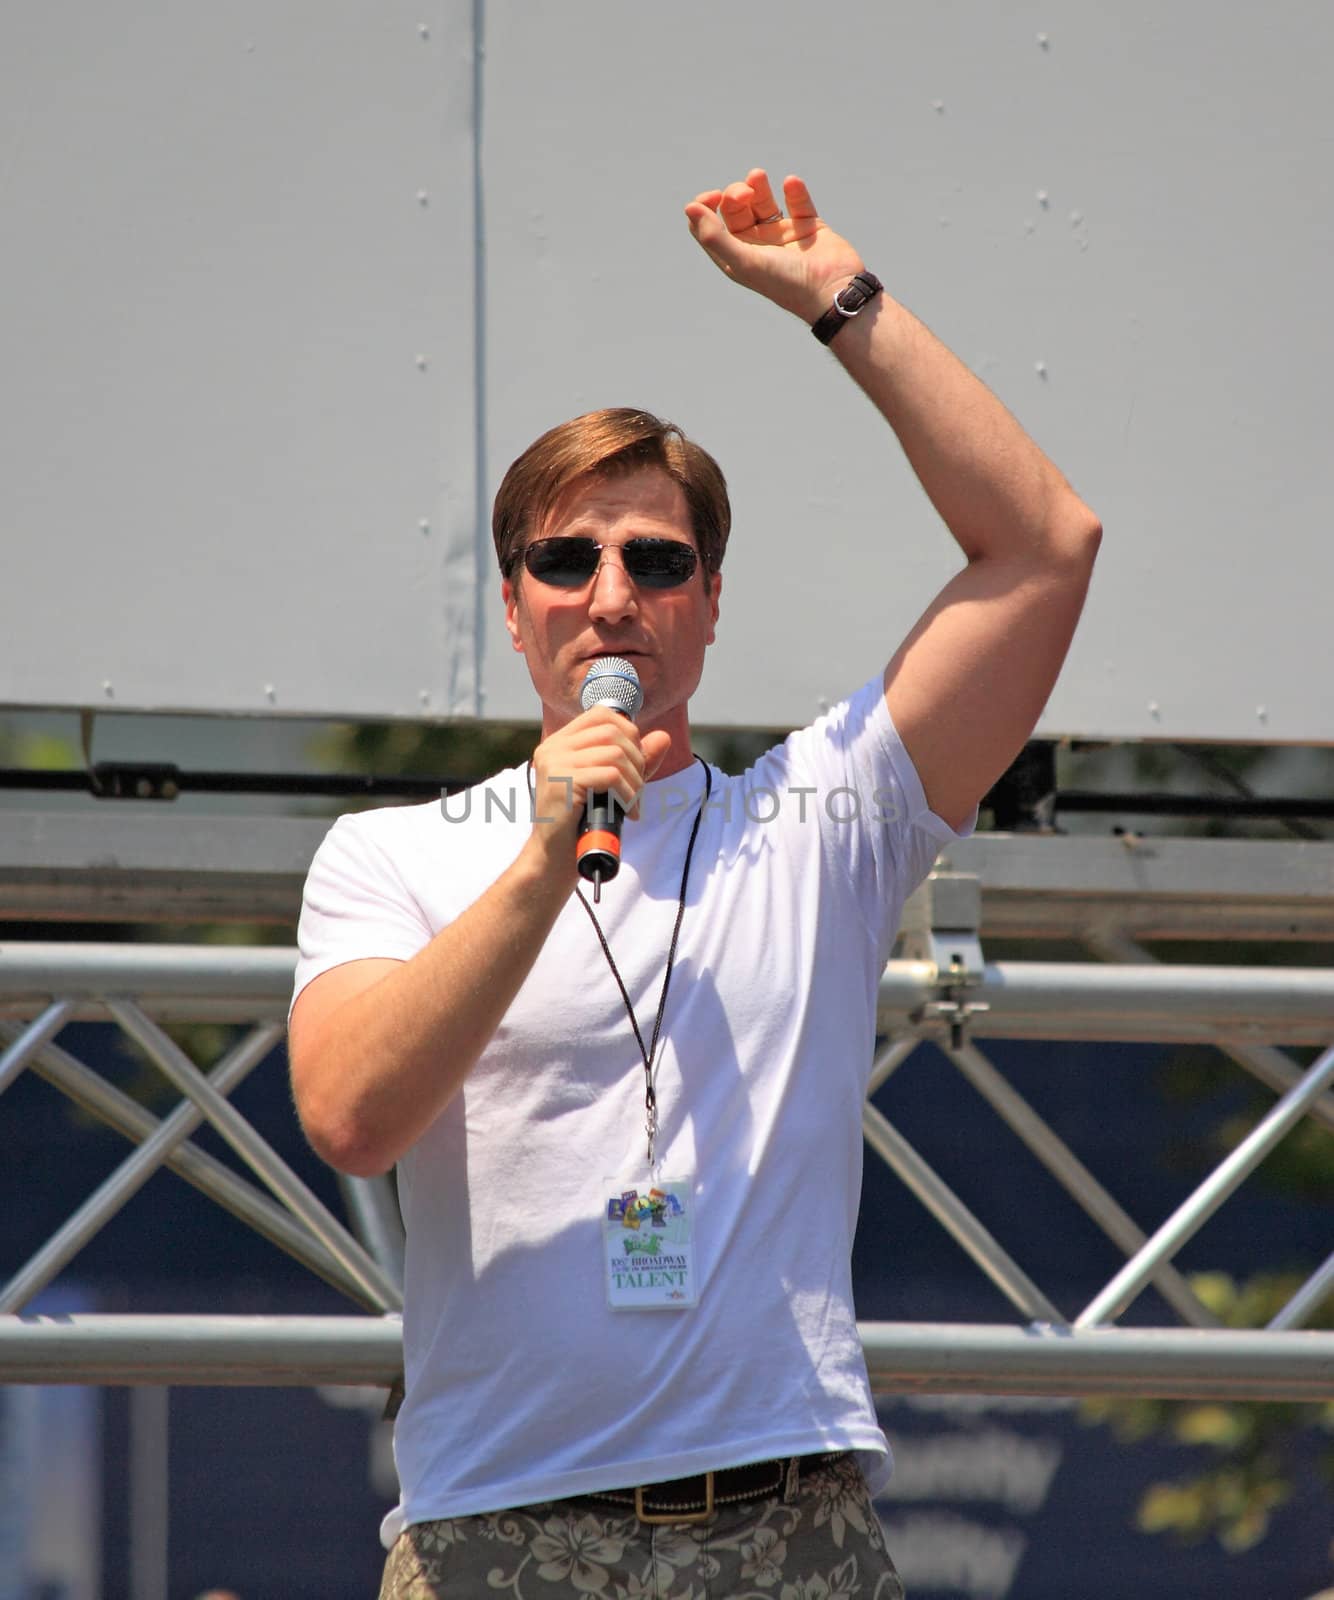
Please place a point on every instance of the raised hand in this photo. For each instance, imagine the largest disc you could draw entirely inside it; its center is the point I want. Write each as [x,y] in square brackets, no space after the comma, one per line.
[794,259]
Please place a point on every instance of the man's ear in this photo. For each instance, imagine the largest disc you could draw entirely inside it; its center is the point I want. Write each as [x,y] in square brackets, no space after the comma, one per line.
[715,589]
[510,595]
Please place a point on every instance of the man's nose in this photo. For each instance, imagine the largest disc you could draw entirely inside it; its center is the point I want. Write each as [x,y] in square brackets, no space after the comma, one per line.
[614,593]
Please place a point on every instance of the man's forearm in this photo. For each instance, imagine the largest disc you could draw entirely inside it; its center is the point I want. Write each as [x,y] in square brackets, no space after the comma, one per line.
[968,684]
[993,487]
[373,1071]
[379,1048]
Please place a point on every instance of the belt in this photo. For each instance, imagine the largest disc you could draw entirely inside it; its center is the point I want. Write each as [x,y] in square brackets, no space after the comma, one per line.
[694,1499]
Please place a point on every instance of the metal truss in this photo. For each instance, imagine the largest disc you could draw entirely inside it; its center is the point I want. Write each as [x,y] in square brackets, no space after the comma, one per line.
[941,988]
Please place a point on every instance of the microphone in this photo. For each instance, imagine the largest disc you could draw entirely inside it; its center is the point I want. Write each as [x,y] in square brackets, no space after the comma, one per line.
[611,681]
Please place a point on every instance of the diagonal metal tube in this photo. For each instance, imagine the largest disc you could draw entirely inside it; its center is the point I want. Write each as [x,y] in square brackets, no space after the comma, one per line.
[257,1154]
[889,1058]
[1196,1210]
[1073,1176]
[41,1030]
[1277,1071]
[955,1217]
[372,1207]
[1274,1068]
[1305,1302]
[202,1171]
[126,1181]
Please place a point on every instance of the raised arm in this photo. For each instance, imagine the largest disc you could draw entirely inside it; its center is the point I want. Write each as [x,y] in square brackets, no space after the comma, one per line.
[967,685]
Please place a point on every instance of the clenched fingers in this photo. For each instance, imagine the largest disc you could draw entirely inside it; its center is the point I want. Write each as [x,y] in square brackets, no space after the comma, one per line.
[599,752]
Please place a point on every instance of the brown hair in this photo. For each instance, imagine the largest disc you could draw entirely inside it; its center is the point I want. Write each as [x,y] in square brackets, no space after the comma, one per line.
[605,444]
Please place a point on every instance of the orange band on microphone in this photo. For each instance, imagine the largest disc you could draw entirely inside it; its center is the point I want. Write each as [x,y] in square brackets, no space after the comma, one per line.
[596,839]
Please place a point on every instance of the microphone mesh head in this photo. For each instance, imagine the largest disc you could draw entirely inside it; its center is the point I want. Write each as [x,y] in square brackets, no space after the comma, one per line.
[612,681]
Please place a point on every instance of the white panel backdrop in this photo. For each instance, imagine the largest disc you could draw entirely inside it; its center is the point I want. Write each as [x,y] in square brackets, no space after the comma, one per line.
[219,444]
[237,346]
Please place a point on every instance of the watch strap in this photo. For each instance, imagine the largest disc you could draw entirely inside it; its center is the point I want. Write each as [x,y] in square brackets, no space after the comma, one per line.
[847,303]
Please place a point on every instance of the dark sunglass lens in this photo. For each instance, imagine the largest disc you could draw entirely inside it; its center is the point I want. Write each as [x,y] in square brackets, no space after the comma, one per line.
[563,563]
[659,563]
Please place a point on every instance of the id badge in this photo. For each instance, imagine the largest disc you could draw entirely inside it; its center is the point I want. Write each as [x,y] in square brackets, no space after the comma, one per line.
[648,1244]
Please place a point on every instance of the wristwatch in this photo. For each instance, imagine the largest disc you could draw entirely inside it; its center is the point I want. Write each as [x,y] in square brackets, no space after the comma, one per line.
[847,303]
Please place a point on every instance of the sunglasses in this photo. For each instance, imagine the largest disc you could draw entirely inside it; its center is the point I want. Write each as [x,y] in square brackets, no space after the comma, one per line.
[568,562]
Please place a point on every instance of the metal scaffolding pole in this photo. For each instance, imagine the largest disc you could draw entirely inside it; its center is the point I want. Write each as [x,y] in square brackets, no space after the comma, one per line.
[1026,999]
[1193,1213]
[41,1030]
[1074,1177]
[256,1153]
[955,1217]
[1079,1000]
[1304,1303]
[1240,1009]
[1167,1363]
[918,1358]
[149,1491]
[889,1058]
[372,1207]
[131,1175]
[167,1349]
[202,1171]
[1274,1069]
[254,974]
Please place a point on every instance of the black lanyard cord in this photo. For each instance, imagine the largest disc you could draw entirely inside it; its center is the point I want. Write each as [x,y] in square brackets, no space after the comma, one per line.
[649,1055]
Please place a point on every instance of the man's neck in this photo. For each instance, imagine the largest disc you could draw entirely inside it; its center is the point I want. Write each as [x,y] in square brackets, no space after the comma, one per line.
[677,759]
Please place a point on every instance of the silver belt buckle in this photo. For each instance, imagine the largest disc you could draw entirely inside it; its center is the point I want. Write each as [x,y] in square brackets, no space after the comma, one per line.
[661,1518]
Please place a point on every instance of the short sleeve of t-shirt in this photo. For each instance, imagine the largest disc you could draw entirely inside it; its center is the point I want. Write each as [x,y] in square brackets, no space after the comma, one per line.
[356,903]
[864,792]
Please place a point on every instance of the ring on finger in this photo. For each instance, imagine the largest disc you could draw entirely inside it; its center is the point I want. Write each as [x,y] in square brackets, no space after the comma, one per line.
[759,222]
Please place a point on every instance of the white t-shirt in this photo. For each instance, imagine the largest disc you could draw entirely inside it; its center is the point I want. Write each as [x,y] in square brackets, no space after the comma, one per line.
[522,1384]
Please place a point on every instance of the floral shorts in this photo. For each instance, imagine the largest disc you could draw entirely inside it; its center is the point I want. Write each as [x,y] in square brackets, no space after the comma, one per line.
[823,1544]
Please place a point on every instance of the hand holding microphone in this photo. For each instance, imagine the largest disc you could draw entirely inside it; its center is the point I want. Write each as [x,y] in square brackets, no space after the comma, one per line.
[588,774]
[611,681]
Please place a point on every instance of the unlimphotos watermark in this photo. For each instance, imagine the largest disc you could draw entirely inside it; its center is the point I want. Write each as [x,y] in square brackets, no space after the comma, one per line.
[760,803]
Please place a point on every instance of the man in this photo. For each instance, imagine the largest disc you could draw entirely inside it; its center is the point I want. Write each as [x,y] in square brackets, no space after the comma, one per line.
[628,1134]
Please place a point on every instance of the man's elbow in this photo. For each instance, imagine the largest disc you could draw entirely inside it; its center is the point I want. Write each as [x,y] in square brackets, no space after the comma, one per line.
[341,1135]
[1080,534]
[347,1147]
